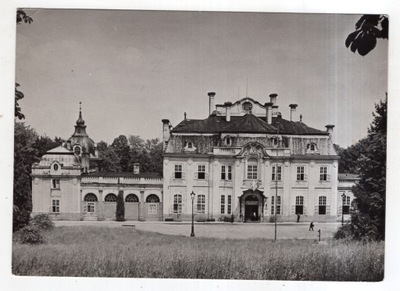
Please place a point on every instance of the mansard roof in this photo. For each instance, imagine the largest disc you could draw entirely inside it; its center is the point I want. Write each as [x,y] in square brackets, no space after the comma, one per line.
[248,123]
[59,150]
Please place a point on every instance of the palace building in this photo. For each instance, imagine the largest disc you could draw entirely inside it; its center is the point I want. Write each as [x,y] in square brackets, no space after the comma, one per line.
[244,162]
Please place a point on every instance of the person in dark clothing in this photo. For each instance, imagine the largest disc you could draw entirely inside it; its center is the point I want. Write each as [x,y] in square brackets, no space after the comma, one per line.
[311,228]
[298,217]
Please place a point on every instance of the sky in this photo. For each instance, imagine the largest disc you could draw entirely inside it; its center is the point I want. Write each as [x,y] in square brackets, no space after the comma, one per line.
[130,69]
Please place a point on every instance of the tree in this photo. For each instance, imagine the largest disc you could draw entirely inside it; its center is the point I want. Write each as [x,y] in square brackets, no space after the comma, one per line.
[368,29]
[22,17]
[45,143]
[18,96]
[368,217]
[25,154]
[121,148]
[120,210]
[349,157]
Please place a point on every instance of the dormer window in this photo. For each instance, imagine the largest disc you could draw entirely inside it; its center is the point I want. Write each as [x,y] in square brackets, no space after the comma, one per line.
[77,150]
[55,167]
[312,148]
[247,106]
[228,141]
[189,146]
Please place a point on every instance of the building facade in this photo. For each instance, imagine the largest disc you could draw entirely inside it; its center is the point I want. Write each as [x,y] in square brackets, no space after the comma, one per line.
[66,185]
[246,162]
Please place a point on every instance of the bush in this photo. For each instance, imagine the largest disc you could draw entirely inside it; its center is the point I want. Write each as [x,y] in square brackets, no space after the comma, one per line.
[29,234]
[345,231]
[120,210]
[43,222]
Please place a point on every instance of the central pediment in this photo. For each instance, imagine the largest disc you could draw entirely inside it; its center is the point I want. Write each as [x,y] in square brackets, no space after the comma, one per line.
[253,149]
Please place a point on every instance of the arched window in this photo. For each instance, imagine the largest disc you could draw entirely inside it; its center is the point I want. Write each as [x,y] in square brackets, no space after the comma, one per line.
[131,198]
[77,150]
[228,140]
[90,197]
[55,167]
[252,166]
[152,198]
[189,145]
[110,198]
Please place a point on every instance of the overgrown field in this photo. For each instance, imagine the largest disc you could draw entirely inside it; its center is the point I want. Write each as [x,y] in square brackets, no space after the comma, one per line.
[125,252]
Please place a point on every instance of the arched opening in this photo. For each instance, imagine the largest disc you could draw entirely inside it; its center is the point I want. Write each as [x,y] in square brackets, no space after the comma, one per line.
[90,197]
[152,198]
[251,208]
[90,203]
[132,198]
[110,198]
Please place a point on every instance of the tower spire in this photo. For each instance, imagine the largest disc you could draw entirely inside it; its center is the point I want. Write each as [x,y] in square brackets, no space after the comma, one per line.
[80,120]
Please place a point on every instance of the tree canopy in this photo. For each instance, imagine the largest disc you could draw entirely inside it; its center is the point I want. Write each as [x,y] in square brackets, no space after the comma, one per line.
[368,29]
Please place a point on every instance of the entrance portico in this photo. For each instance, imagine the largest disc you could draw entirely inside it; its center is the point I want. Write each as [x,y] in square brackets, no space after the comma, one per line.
[251,205]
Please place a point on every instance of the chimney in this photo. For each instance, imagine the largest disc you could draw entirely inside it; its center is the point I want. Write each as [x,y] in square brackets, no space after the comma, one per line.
[166,132]
[228,110]
[275,110]
[329,128]
[136,168]
[184,115]
[292,110]
[211,102]
[268,109]
[273,98]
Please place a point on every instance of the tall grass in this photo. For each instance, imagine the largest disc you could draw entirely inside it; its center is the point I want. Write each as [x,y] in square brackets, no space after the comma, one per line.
[123,252]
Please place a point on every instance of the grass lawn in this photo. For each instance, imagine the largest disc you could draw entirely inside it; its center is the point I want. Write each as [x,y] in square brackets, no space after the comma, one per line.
[125,252]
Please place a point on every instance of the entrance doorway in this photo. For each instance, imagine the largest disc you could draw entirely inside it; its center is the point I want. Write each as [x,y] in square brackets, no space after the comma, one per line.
[251,209]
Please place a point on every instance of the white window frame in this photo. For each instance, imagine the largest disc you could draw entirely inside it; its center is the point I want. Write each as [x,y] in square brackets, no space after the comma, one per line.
[177,206]
[55,183]
[300,173]
[323,173]
[178,169]
[201,203]
[223,202]
[55,205]
[299,202]
[252,169]
[277,172]
[322,202]
[226,172]
[278,206]
[229,204]
[201,172]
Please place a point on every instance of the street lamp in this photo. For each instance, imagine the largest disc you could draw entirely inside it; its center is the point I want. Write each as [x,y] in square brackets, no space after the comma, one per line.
[343,200]
[192,195]
[276,181]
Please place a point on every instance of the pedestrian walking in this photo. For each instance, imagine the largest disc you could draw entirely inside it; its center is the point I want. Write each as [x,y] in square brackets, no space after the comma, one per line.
[298,217]
[311,228]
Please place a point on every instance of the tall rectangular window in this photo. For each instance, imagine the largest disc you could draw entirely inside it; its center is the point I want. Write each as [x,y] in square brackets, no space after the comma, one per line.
[346,206]
[178,203]
[252,170]
[201,203]
[222,204]
[55,183]
[322,205]
[277,173]
[178,171]
[323,173]
[55,205]
[201,172]
[299,205]
[229,204]
[278,205]
[300,173]
[226,172]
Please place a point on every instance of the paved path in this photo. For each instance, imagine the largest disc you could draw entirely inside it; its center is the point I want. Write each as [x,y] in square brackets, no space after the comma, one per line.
[221,229]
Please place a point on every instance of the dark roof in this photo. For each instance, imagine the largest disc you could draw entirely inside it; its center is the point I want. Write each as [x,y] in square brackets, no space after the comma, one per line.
[122,174]
[248,123]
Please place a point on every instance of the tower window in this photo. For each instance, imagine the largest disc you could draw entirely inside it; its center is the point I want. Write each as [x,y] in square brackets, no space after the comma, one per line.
[252,170]
[77,150]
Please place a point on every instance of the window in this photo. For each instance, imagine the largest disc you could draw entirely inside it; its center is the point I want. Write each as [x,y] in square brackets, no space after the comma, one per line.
[90,207]
[346,205]
[131,198]
[277,173]
[189,145]
[252,170]
[228,141]
[275,141]
[201,203]
[229,204]
[299,205]
[323,173]
[178,203]
[322,205]
[77,150]
[226,172]
[300,173]
[153,198]
[55,167]
[90,197]
[55,183]
[222,204]
[178,171]
[278,205]
[110,198]
[201,172]
[247,106]
[55,206]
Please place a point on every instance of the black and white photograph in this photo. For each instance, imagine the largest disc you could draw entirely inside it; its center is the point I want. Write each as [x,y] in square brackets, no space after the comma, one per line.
[199,146]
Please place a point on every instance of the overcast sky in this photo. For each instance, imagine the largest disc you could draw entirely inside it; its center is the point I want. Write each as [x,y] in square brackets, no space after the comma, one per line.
[131,69]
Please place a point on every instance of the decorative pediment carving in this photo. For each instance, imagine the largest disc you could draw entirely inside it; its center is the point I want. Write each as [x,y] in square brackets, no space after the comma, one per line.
[253,149]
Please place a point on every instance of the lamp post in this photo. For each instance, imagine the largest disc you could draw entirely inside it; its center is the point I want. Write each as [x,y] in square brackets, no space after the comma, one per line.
[276,181]
[192,195]
[343,200]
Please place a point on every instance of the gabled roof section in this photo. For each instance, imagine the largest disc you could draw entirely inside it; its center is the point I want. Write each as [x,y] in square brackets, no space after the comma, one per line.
[249,123]
[59,150]
[243,100]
